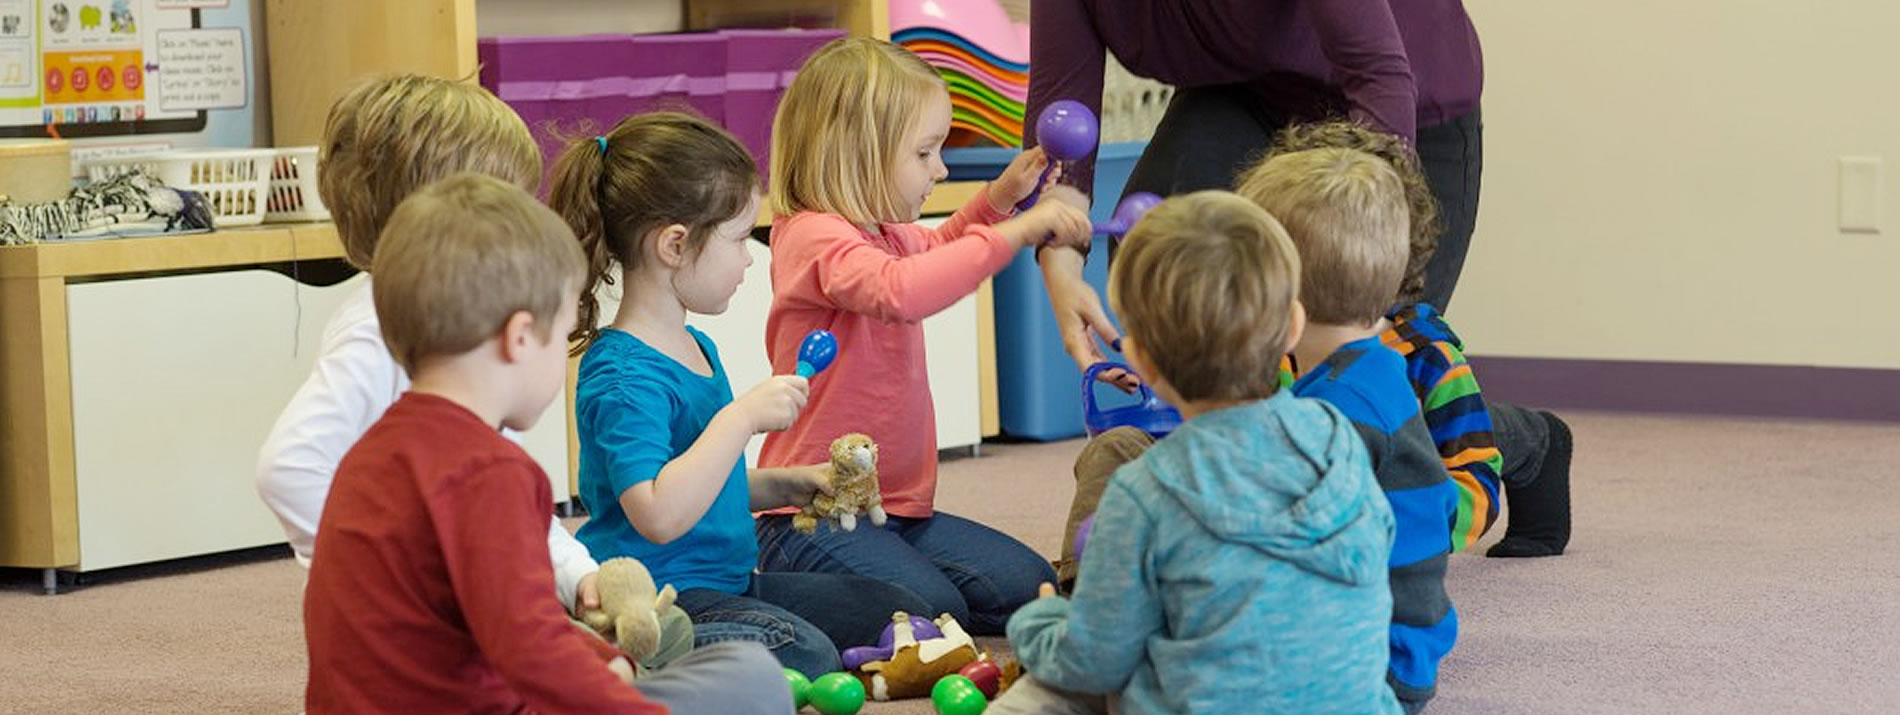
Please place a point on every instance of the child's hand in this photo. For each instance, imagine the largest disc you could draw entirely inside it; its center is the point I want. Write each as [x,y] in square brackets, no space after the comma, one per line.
[1066,194]
[1018,180]
[1046,590]
[801,484]
[587,593]
[1055,223]
[774,404]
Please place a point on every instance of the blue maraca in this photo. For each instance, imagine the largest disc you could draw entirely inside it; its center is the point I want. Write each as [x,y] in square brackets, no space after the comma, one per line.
[816,353]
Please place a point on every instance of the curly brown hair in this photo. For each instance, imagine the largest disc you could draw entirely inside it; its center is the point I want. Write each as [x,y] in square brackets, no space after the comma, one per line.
[1346,134]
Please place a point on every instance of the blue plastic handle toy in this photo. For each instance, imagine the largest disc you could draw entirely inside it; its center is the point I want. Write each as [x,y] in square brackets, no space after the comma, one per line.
[817,351]
[1151,415]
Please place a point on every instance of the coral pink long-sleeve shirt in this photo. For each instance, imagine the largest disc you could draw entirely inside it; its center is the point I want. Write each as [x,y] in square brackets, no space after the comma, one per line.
[873,291]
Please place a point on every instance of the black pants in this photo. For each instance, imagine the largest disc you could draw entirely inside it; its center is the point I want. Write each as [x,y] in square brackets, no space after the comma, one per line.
[1210,134]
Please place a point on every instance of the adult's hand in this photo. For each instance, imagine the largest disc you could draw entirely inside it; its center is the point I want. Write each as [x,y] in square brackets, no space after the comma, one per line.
[1079,315]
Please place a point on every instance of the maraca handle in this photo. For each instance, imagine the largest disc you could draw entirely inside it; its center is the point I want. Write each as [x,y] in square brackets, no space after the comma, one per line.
[1036,192]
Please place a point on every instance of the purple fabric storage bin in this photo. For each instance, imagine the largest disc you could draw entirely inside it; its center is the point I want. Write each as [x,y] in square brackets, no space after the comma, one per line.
[568,86]
[579,86]
[760,64]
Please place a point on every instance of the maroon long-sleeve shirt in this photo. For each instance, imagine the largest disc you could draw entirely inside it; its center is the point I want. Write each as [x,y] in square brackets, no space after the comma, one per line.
[430,592]
[1399,64]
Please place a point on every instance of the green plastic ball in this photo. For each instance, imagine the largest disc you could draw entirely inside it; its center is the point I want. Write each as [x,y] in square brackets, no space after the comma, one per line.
[801,688]
[837,694]
[957,695]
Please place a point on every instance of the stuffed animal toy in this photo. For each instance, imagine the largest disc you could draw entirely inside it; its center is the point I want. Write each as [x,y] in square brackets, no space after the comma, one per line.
[629,607]
[853,475]
[915,665]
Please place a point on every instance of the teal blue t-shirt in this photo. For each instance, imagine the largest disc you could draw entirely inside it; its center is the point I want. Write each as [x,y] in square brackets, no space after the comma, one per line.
[635,410]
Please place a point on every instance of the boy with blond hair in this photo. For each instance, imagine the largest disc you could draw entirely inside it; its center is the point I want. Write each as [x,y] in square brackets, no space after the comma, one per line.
[432,595]
[1255,533]
[1346,212]
[1534,464]
[384,139]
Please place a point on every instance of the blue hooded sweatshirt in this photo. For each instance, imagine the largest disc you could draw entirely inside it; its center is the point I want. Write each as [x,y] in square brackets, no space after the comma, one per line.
[1238,566]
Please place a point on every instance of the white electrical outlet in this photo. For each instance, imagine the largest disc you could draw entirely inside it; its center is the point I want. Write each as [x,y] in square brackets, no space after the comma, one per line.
[1860,194]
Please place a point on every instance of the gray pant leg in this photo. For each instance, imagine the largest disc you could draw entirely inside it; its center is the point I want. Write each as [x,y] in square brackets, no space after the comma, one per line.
[736,677]
[1522,437]
[1029,697]
[676,639]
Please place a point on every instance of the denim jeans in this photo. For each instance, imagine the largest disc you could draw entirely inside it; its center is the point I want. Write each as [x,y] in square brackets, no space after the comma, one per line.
[805,619]
[976,574]
[1209,135]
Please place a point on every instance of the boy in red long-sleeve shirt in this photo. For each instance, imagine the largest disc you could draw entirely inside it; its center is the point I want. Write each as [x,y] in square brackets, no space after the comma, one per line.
[432,594]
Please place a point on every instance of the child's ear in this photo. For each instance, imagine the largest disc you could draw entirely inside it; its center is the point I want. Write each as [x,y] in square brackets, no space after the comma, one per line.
[669,245]
[517,336]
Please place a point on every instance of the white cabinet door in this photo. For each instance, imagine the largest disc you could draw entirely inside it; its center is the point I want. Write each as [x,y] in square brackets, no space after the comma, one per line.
[176,382]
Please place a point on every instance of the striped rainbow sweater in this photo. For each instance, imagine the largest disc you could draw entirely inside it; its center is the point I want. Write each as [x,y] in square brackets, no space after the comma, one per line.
[1455,413]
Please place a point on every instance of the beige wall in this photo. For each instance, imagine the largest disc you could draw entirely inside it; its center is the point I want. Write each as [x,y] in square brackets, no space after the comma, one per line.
[1660,182]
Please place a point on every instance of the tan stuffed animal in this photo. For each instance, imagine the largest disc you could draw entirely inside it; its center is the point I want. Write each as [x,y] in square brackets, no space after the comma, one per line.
[853,475]
[629,607]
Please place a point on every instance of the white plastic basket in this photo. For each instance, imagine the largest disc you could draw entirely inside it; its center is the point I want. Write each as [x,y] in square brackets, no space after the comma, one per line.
[233,181]
[293,187]
[1131,106]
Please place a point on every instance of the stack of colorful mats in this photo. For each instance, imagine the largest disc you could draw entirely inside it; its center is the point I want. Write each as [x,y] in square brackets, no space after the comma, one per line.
[983,57]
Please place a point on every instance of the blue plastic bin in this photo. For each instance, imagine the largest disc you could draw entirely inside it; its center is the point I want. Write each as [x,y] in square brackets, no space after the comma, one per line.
[1039,392]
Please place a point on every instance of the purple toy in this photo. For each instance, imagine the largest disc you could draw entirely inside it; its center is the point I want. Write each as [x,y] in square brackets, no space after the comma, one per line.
[816,353]
[1082,535]
[920,627]
[1130,210]
[1067,131]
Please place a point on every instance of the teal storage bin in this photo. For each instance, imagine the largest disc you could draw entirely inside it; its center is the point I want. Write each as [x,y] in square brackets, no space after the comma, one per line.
[1039,395]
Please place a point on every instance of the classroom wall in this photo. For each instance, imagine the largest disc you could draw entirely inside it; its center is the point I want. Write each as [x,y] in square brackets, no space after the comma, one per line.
[1660,182]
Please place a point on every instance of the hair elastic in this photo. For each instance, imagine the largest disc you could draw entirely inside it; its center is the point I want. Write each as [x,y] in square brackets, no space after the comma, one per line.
[602,140]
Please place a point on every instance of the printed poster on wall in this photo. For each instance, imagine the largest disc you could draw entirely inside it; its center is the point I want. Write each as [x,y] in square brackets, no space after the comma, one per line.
[82,68]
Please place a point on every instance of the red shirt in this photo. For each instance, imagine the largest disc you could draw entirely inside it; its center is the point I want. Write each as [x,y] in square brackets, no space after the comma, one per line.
[434,593]
[873,291]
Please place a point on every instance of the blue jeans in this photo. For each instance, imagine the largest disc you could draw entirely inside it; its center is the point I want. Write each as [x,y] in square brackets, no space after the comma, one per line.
[805,619]
[977,574]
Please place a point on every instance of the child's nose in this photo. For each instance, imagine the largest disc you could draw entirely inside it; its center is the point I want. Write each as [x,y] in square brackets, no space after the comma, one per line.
[938,172]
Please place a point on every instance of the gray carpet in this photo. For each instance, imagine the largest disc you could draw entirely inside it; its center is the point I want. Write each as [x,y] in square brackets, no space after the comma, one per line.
[1718,566]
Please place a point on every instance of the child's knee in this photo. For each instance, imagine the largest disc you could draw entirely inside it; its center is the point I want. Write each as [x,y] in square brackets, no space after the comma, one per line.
[1108,451]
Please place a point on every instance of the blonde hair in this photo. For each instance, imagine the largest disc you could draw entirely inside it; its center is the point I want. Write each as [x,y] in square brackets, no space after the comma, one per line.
[1347,214]
[1205,284]
[651,171]
[461,256]
[1347,134]
[835,138]
[388,136]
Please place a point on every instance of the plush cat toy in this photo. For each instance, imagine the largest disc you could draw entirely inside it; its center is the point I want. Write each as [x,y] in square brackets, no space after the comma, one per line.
[853,475]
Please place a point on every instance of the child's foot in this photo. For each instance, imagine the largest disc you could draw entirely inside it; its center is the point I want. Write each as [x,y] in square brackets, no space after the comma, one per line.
[1540,510]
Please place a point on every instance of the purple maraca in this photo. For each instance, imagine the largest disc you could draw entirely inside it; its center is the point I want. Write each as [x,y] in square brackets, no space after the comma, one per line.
[1067,131]
[1128,212]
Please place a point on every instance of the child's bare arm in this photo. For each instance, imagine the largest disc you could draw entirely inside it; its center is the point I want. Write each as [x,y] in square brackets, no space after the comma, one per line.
[667,506]
[774,487]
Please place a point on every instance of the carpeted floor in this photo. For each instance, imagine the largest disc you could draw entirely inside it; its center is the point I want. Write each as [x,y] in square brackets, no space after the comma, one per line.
[1718,566]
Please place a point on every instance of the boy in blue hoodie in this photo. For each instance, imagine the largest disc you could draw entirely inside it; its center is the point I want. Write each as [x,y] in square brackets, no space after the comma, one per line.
[1240,564]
